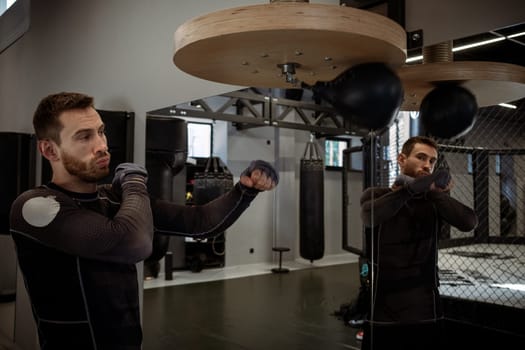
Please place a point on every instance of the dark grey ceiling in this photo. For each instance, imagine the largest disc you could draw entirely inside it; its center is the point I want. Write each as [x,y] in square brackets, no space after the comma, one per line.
[506,51]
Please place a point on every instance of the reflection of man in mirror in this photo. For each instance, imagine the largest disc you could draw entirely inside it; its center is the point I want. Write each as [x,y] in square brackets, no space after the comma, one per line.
[406,219]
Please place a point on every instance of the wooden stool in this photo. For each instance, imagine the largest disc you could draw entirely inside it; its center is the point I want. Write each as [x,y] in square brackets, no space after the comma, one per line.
[280,269]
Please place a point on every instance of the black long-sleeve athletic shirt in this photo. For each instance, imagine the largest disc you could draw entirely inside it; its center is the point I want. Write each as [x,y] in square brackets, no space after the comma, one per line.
[77,253]
[405,234]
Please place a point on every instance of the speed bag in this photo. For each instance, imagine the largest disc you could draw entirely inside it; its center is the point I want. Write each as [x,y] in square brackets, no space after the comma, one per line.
[311,213]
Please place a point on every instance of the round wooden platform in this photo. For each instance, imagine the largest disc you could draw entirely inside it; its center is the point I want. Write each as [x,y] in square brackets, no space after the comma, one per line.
[247,46]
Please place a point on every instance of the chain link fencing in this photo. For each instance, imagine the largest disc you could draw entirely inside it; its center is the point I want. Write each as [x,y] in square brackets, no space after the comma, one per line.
[487,165]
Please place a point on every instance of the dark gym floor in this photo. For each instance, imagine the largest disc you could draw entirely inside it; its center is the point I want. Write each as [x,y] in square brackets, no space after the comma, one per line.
[295,311]
[272,311]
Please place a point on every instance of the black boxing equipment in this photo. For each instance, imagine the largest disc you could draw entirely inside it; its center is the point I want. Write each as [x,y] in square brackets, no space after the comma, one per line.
[370,94]
[128,170]
[167,142]
[215,180]
[263,166]
[448,111]
[311,204]
[322,91]
[18,152]
[166,153]
[441,178]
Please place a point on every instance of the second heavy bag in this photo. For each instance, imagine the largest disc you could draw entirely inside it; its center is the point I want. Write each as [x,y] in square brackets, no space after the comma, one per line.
[215,180]
[311,202]
[209,184]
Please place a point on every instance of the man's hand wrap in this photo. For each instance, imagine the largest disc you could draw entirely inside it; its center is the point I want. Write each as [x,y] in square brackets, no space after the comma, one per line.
[263,166]
[440,178]
[127,172]
[402,180]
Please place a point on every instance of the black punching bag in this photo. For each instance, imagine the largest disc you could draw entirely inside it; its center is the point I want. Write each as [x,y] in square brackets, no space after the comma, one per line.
[448,111]
[369,94]
[215,180]
[166,153]
[311,203]
[17,151]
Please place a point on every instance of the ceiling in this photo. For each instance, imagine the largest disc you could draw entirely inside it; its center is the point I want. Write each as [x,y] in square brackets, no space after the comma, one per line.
[510,50]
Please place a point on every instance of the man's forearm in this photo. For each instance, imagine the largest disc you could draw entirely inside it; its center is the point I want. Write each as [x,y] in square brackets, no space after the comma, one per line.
[379,205]
[203,220]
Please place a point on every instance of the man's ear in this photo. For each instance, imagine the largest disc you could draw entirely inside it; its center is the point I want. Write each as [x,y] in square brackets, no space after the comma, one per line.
[48,149]
[401,159]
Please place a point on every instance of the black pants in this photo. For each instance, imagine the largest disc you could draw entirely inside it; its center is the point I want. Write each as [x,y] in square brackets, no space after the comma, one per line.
[403,337]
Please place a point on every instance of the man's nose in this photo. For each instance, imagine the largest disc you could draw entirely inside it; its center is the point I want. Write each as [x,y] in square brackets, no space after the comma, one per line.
[102,144]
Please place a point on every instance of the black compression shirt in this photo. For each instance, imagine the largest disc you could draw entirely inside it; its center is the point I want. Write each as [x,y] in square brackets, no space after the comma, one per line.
[77,253]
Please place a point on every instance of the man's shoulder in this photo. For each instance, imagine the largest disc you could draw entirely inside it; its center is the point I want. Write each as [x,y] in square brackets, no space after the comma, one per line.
[370,192]
[35,192]
[377,190]
[40,192]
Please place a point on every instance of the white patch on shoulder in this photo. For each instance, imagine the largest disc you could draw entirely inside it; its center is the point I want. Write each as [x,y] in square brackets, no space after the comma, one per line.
[40,211]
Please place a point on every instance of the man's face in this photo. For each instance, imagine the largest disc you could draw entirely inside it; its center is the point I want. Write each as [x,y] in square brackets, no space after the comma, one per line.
[83,147]
[420,162]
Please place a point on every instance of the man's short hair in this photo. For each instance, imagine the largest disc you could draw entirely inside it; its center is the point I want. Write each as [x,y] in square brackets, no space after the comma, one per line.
[46,118]
[409,144]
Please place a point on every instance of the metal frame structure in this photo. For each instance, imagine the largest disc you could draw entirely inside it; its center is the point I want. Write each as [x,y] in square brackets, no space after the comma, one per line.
[480,176]
[251,108]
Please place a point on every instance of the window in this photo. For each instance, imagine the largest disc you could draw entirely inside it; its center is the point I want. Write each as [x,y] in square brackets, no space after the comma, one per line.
[5,4]
[14,21]
[399,132]
[333,152]
[199,139]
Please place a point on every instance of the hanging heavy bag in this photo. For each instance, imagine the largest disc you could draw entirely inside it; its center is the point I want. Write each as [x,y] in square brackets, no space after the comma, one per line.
[166,153]
[311,202]
[209,184]
[214,181]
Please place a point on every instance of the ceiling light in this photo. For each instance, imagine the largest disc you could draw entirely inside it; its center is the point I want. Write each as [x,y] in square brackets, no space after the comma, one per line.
[507,105]
[414,59]
[515,35]
[480,43]
[469,46]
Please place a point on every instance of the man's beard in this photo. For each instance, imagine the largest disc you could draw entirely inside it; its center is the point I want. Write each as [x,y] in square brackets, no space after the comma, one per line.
[88,172]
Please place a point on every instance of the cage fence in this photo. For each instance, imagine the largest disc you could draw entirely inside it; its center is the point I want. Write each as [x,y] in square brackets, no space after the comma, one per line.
[487,165]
